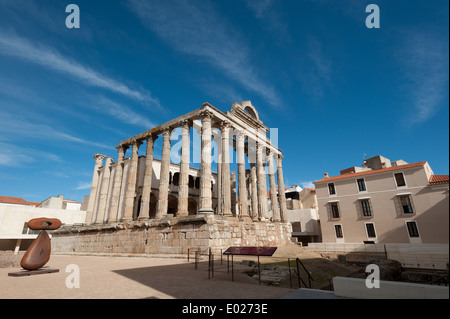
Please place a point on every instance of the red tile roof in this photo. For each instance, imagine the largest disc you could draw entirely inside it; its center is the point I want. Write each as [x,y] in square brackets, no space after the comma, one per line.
[15,200]
[375,171]
[438,179]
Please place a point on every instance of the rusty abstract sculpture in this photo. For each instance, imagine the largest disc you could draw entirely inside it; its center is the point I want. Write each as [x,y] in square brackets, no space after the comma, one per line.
[38,254]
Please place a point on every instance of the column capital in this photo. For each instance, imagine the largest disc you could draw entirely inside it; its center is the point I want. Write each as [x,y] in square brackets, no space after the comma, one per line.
[241,135]
[167,131]
[136,143]
[122,148]
[224,125]
[206,115]
[186,123]
[99,158]
[152,136]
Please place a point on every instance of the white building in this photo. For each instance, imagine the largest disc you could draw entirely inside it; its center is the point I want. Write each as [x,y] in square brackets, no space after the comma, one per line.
[15,214]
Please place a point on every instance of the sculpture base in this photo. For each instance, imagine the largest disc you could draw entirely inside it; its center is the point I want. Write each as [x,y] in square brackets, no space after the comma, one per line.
[40,271]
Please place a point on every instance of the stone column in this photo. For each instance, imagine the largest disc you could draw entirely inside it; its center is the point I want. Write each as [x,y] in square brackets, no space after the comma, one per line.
[147,188]
[130,193]
[254,198]
[242,187]
[219,174]
[225,199]
[92,196]
[233,192]
[281,194]
[262,183]
[205,166]
[183,185]
[273,189]
[163,196]
[114,208]
[103,195]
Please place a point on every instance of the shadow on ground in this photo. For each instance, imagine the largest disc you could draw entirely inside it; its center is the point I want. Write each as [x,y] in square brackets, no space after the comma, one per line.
[183,281]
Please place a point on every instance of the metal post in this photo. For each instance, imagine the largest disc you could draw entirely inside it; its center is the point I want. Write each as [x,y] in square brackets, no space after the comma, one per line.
[188,254]
[290,276]
[298,275]
[209,264]
[259,272]
[196,259]
[228,264]
[232,268]
[212,265]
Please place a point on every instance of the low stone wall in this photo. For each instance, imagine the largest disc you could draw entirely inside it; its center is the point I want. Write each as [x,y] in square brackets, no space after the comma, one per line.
[425,256]
[170,235]
[356,288]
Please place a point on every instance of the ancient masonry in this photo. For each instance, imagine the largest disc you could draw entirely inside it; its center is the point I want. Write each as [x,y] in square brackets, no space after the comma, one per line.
[143,205]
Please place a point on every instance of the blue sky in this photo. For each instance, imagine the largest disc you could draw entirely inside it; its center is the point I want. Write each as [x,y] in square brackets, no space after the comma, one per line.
[333,88]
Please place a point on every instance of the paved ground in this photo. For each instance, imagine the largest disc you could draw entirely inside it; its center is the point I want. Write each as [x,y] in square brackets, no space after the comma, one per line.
[135,277]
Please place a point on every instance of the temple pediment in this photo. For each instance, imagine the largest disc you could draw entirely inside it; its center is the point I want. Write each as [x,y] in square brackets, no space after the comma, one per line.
[248,114]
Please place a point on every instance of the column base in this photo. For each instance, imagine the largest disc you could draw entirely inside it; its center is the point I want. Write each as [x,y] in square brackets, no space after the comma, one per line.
[181,213]
[205,211]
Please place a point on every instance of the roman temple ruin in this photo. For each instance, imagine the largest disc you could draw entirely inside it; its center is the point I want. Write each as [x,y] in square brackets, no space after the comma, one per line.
[141,204]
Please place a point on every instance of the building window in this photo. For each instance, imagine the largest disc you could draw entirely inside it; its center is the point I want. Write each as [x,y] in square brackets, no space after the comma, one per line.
[296,227]
[370,230]
[365,204]
[338,230]
[361,184]
[334,210]
[331,189]
[399,179]
[412,229]
[405,201]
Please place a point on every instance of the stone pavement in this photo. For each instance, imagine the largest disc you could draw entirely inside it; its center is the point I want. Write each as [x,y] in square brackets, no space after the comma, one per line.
[135,278]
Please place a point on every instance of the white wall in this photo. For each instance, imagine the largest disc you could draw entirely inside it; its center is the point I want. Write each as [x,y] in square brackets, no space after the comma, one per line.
[13,217]
[308,219]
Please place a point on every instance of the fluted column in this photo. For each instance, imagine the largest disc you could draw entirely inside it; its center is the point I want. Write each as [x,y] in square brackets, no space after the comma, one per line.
[163,196]
[95,179]
[205,166]
[273,189]
[130,193]
[183,185]
[262,183]
[242,187]
[225,199]
[254,188]
[281,194]
[147,188]
[103,194]
[233,192]
[118,177]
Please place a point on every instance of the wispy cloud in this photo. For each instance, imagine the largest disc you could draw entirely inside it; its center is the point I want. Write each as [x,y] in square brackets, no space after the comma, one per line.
[121,112]
[83,185]
[259,7]
[11,125]
[50,58]
[307,184]
[13,155]
[424,58]
[265,11]
[196,28]
[317,76]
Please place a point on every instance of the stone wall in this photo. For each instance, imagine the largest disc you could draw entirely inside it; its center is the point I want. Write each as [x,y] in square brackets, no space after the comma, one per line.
[170,235]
